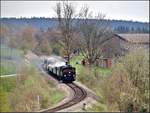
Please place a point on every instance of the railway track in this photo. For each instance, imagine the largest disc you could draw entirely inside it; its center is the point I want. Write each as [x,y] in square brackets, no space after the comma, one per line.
[78,92]
[79,95]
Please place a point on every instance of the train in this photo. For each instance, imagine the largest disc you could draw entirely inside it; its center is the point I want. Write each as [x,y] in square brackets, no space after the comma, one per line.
[59,68]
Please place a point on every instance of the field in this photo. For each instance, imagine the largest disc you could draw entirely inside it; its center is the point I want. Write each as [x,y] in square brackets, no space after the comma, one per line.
[7,67]
[19,93]
[10,53]
[10,58]
[79,67]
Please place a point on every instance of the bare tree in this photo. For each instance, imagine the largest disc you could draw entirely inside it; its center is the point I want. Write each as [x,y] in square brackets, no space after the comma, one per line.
[28,40]
[94,33]
[65,14]
[129,84]
[5,33]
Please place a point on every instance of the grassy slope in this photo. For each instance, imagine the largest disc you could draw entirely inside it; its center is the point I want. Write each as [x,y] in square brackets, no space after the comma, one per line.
[79,67]
[20,93]
[8,83]
[6,51]
[87,76]
[8,66]
[17,93]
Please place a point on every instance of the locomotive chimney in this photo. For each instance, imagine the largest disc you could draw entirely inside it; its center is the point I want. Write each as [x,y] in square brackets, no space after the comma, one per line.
[66,63]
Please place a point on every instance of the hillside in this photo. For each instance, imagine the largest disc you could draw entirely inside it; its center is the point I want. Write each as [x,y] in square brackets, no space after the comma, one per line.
[119,26]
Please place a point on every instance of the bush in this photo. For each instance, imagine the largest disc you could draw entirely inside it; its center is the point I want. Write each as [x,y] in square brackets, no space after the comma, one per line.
[87,77]
[126,90]
[96,83]
[128,85]
[56,51]
[32,92]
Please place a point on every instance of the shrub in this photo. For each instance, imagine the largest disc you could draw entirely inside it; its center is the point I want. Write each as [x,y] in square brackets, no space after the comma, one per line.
[128,85]
[32,92]
[56,51]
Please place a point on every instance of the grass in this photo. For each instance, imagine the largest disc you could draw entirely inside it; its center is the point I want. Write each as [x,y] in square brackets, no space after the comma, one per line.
[56,97]
[6,87]
[7,67]
[8,83]
[20,93]
[9,58]
[79,67]
[96,84]
[9,52]
[4,104]
[92,77]
[99,107]
[102,71]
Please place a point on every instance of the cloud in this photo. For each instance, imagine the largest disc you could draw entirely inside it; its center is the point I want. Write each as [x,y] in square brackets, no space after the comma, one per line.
[127,10]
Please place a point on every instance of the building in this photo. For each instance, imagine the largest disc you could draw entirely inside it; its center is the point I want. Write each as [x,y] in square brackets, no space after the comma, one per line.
[119,45]
[136,40]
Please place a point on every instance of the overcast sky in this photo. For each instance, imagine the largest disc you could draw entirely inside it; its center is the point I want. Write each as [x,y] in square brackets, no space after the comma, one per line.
[125,10]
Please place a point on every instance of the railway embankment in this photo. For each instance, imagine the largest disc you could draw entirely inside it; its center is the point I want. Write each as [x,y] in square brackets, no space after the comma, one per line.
[68,94]
[86,103]
[28,91]
[90,98]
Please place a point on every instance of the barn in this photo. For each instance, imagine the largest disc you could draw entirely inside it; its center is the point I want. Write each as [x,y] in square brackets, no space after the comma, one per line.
[119,45]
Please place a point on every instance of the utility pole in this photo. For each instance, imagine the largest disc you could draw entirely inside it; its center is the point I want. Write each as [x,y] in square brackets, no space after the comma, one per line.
[38,101]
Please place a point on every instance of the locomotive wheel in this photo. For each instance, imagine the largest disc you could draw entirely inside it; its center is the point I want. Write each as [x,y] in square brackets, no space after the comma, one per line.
[60,81]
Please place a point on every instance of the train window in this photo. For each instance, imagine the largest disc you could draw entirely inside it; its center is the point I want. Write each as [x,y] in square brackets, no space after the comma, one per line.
[56,70]
[60,72]
[53,70]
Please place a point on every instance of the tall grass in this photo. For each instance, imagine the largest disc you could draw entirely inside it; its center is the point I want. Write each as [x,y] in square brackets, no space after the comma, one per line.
[4,106]
[79,67]
[29,91]
[10,52]
[7,67]
[94,78]
[96,83]
[10,60]
[127,88]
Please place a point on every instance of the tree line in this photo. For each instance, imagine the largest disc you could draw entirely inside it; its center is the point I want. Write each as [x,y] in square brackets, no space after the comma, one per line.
[125,29]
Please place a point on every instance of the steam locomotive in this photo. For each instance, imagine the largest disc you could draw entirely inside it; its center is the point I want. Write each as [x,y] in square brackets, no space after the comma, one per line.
[59,68]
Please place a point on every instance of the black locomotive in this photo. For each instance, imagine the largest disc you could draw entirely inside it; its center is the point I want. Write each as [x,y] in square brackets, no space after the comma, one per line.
[59,68]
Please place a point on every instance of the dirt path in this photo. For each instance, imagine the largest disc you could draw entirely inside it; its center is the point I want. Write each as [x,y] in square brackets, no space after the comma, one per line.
[8,75]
